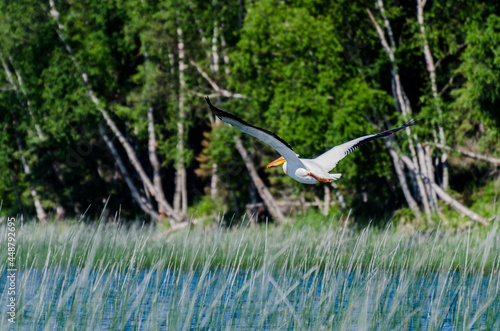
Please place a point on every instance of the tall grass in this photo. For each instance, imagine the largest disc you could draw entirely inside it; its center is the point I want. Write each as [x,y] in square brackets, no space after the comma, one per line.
[112,277]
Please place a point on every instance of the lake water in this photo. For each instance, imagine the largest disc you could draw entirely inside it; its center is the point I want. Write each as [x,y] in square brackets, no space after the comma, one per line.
[86,299]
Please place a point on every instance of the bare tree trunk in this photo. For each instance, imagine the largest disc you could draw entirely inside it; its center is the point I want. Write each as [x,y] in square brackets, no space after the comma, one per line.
[431,68]
[470,154]
[423,169]
[153,158]
[458,206]
[174,216]
[398,167]
[214,68]
[40,212]
[326,202]
[28,105]
[447,198]
[214,64]
[264,193]
[225,57]
[339,195]
[180,197]
[423,194]
[141,201]
[430,171]
[214,180]
[444,161]
[402,181]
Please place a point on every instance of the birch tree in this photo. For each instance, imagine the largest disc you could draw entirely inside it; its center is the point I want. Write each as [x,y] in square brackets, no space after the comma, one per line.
[180,197]
[40,211]
[431,68]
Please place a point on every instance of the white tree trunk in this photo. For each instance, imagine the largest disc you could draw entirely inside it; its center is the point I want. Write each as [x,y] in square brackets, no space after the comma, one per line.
[431,68]
[430,172]
[28,103]
[40,212]
[339,195]
[424,170]
[225,57]
[214,68]
[214,64]
[214,182]
[402,181]
[421,188]
[326,200]
[16,192]
[180,196]
[153,159]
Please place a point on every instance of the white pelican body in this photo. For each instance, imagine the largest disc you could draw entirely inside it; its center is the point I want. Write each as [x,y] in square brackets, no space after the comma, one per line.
[300,172]
[307,171]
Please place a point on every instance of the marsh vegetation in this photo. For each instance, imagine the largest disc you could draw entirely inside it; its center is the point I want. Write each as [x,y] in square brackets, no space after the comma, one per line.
[110,276]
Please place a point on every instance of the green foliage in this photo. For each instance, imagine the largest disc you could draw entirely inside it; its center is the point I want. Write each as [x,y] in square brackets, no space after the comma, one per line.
[477,97]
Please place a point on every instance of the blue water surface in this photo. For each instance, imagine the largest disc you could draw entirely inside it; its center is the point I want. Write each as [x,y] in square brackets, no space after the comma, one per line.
[80,299]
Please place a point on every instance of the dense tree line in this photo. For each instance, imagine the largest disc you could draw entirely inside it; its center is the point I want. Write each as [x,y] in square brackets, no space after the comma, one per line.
[102,102]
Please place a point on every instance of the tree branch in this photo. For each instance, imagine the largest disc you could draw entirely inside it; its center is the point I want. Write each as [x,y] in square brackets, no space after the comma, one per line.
[214,85]
[438,63]
[470,154]
[446,197]
[145,206]
[266,196]
[381,36]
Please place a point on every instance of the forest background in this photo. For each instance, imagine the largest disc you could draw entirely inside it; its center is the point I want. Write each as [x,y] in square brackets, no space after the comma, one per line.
[102,104]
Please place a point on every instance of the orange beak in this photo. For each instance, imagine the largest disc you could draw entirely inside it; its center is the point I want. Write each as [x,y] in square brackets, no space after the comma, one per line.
[276,162]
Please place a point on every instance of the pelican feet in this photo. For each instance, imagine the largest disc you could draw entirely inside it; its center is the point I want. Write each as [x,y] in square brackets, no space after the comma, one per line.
[322,180]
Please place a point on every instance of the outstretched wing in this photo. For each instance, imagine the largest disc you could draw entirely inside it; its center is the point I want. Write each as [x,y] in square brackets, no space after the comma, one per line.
[329,159]
[264,135]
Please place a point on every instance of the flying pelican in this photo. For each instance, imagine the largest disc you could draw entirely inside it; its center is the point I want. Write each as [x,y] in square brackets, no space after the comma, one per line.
[307,171]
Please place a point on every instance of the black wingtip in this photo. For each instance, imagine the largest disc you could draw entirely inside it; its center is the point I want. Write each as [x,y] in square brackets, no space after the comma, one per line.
[216,111]
[224,116]
[207,99]
[413,121]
